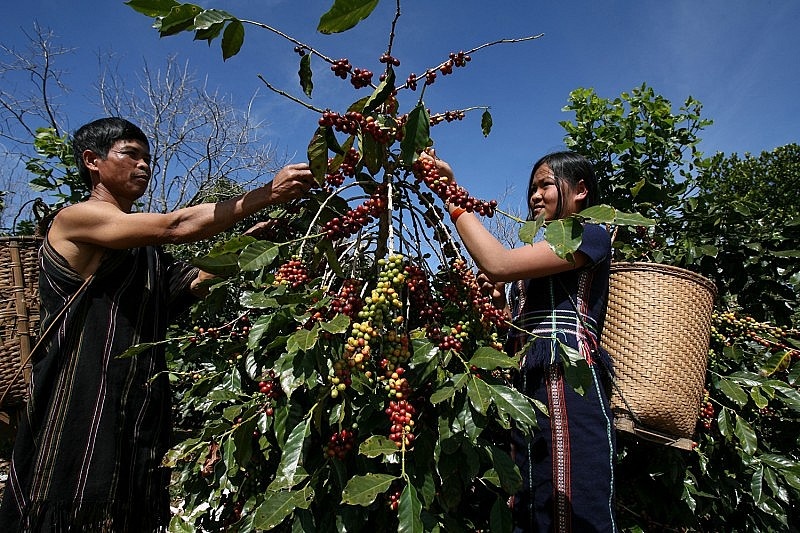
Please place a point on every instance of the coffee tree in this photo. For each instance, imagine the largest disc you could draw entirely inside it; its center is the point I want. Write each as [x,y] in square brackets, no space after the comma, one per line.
[345,372]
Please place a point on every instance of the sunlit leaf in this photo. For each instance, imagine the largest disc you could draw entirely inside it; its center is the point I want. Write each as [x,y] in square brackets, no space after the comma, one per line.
[734,392]
[318,154]
[180,18]
[488,358]
[377,445]
[278,505]
[258,255]
[417,134]
[344,14]
[384,90]
[529,230]
[479,394]
[362,490]
[564,236]
[153,8]
[514,404]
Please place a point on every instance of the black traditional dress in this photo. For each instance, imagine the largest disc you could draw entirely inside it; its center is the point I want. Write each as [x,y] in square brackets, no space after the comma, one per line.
[566,465]
[87,455]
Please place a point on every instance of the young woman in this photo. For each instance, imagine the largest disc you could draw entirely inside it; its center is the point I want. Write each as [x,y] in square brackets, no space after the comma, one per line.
[567,464]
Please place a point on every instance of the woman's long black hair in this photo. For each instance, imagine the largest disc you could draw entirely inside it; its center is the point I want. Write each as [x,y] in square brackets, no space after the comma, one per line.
[568,168]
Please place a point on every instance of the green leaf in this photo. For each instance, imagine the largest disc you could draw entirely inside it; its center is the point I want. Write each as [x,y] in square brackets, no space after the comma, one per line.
[232,39]
[318,154]
[278,505]
[258,255]
[362,490]
[441,394]
[632,219]
[305,75]
[338,324]
[486,123]
[377,445]
[564,237]
[302,340]
[409,511]
[527,233]
[500,517]
[384,90]
[153,8]
[757,484]
[479,394]
[506,469]
[724,423]
[136,349]
[734,392]
[599,214]
[515,405]
[747,437]
[180,18]
[225,265]
[287,474]
[417,134]
[488,358]
[344,14]
[326,247]
[211,17]
[577,372]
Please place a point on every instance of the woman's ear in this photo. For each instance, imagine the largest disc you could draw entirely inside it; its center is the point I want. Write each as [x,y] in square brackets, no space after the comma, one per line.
[581,191]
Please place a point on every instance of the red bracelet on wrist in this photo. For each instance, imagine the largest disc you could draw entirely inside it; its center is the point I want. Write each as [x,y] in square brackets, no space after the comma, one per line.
[457,212]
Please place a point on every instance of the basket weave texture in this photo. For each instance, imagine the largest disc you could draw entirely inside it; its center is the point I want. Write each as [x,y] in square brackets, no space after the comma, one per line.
[19,314]
[657,331]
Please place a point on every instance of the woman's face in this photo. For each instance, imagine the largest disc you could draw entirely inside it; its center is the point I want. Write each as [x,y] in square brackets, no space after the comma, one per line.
[545,196]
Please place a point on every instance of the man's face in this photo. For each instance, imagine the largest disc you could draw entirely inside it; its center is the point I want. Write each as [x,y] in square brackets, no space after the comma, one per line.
[125,171]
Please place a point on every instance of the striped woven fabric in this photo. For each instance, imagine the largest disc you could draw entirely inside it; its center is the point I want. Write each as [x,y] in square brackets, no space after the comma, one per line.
[88,450]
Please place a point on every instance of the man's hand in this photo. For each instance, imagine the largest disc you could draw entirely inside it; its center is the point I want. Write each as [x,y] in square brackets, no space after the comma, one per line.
[292,181]
[497,291]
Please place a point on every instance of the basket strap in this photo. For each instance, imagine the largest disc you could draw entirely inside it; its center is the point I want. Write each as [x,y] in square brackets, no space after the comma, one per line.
[26,358]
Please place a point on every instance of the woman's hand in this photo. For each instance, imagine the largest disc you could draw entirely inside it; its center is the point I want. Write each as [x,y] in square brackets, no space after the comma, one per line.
[429,154]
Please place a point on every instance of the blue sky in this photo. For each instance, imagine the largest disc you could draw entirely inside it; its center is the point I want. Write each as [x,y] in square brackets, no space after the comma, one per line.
[737,57]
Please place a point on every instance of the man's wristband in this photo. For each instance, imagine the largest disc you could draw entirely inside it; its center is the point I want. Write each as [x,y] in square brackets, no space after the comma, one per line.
[457,212]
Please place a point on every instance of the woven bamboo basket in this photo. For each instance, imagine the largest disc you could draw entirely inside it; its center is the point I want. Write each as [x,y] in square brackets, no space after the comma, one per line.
[657,332]
[19,315]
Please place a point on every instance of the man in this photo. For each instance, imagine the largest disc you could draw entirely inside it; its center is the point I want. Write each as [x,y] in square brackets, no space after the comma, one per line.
[89,447]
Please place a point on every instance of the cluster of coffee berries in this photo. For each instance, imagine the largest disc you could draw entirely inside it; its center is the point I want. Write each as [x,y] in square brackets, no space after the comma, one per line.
[706,416]
[394,499]
[339,377]
[292,273]
[361,78]
[357,350]
[396,386]
[347,168]
[447,116]
[384,302]
[420,296]
[401,432]
[340,444]
[453,337]
[347,301]
[425,170]
[389,60]
[341,67]
[269,387]
[727,328]
[355,219]
[236,330]
[300,50]
[395,351]
[382,131]
[491,316]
